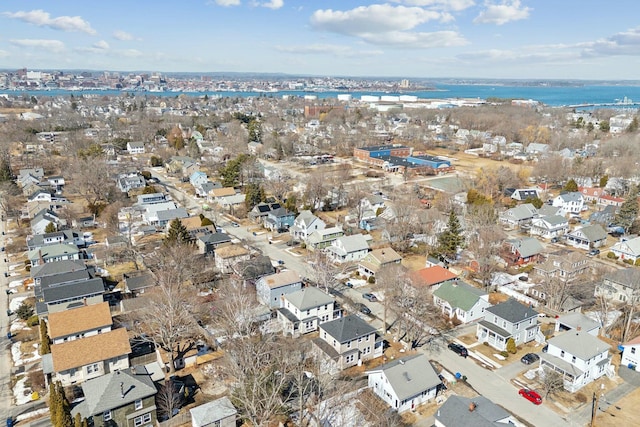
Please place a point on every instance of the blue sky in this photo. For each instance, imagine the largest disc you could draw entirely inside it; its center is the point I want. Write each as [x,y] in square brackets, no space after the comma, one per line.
[543,39]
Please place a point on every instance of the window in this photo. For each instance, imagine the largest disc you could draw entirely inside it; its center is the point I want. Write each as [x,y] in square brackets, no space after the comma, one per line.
[366,350]
[562,353]
[573,359]
[138,404]
[349,344]
[141,420]
[92,368]
[633,350]
[106,415]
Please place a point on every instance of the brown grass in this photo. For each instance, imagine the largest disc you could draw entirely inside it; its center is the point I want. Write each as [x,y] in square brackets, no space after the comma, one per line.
[414,262]
[623,413]
[496,298]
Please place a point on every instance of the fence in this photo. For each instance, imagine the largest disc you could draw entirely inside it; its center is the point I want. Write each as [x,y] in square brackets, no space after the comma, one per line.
[181,419]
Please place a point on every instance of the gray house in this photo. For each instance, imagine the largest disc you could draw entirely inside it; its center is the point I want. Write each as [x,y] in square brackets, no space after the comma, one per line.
[460,411]
[509,319]
[348,340]
[587,237]
[519,215]
[217,413]
[270,288]
[124,398]
[620,286]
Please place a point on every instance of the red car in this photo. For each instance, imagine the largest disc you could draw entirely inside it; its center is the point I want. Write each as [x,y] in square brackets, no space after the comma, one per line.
[531,396]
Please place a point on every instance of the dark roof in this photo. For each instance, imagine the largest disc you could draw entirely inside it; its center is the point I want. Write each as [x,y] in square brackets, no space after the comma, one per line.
[58,267]
[281,212]
[215,238]
[512,311]
[255,267]
[71,276]
[347,328]
[455,412]
[73,290]
[139,282]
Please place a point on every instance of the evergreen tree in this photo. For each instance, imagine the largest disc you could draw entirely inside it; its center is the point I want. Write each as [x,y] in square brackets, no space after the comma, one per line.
[451,239]
[230,173]
[177,233]
[54,404]
[571,186]
[535,201]
[603,181]
[64,416]
[204,221]
[5,166]
[45,346]
[511,346]
[629,210]
[50,228]
[291,204]
[254,195]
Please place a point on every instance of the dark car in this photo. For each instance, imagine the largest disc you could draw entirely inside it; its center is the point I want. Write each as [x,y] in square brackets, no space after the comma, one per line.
[370,297]
[530,395]
[530,358]
[594,252]
[457,348]
[9,422]
[363,309]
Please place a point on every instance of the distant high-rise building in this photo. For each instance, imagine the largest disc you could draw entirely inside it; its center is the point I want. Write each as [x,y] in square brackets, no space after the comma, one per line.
[404,83]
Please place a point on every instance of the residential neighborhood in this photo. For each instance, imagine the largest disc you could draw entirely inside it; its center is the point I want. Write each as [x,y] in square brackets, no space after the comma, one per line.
[258,261]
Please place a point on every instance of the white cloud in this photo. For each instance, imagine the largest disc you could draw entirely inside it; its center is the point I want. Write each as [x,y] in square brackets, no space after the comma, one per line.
[388,25]
[41,18]
[122,35]
[273,4]
[52,45]
[101,45]
[226,3]
[502,13]
[455,5]
[327,49]
[624,43]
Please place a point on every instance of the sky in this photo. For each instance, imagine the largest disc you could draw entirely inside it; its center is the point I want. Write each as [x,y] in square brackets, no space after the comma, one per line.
[495,39]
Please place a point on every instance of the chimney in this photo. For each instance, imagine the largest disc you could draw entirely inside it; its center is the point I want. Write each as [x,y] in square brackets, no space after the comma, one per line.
[122,390]
[472,406]
[401,361]
[579,328]
[40,257]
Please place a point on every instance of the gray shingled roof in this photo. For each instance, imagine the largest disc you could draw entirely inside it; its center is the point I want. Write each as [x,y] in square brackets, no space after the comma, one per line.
[410,376]
[593,232]
[58,267]
[216,410]
[455,412]
[139,282]
[73,290]
[527,246]
[309,297]
[347,328]
[581,344]
[105,393]
[512,311]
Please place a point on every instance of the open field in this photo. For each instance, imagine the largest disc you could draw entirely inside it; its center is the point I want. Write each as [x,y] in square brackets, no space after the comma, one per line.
[468,163]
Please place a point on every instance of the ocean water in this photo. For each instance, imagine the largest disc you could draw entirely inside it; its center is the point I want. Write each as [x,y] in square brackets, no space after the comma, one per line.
[548,95]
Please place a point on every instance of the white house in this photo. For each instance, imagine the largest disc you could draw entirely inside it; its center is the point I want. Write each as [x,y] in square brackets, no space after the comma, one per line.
[406,383]
[460,411]
[627,249]
[577,322]
[348,340]
[135,147]
[217,413]
[620,285]
[348,248]
[631,354]
[461,301]
[569,203]
[305,224]
[302,311]
[270,288]
[549,226]
[587,237]
[509,319]
[578,356]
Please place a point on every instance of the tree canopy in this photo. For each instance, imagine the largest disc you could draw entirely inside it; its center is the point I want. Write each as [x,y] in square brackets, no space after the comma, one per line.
[177,233]
[571,186]
[629,210]
[451,239]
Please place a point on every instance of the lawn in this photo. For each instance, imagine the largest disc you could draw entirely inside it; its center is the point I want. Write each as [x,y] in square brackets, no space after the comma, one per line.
[623,413]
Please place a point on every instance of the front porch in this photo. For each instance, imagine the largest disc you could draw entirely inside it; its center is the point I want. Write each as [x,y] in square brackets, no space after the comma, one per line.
[495,336]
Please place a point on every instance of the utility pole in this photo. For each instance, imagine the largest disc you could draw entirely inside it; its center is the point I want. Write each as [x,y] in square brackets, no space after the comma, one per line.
[594,409]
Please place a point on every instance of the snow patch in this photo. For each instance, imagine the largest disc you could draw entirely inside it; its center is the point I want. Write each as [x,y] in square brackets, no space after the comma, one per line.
[32,414]
[16,303]
[17,355]
[15,283]
[18,325]
[21,392]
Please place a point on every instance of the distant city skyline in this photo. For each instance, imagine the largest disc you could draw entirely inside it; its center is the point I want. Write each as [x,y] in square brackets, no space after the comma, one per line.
[491,39]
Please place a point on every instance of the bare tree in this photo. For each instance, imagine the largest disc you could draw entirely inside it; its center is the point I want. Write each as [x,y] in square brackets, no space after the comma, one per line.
[168,320]
[390,280]
[169,399]
[552,381]
[91,179]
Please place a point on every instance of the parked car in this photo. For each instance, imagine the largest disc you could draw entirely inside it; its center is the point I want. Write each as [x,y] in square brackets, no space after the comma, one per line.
[9,422]
[459,349]
[530,395]
[530,358]
[594,252]
[363,309]
[555,239]
[370,297]
[235,224]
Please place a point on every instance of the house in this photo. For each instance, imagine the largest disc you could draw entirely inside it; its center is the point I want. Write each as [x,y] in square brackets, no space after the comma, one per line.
[627,250]
[65,236]
[578,356]
[43,218]
[521,251]
[302,311]
[564,264]
[152,198]
[305,224]
[128,182]
[519,215]
[591,194]
[135,147]
[207,243]
[270,288]
[620,286]
[509,319]
[322,239]
[458,300]
[217,413]
[78,360]
[569,203]
[79,323]
[260,211]
[217,194]
[549,226]
[164,217]
[55,294]
[349,340]
[522,194]
[348,248]
[256,267]
[431,277]
[460,411]
[406,383]
[279,219]
[229,255]
[577,322]
[587,237]
[40,196]
[548,210]
[137,284]
[631,354]
[53,269]
[52,253]
[122,398]
[376,260]
[198,178]
[604,216]
[537,148]
[56,182]
[607,200]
